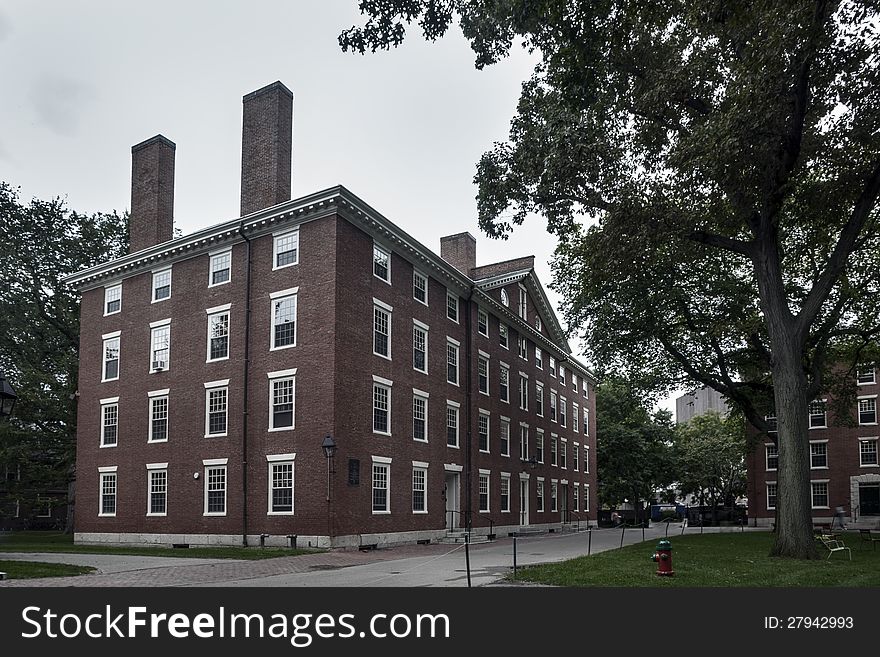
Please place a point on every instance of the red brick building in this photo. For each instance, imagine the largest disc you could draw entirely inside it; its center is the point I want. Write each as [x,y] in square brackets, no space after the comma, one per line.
[213,366]
[844,466]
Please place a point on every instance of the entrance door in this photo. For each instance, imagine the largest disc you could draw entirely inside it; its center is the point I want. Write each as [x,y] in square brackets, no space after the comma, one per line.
[453,515]
[869,499]
[563,493]
[523,502]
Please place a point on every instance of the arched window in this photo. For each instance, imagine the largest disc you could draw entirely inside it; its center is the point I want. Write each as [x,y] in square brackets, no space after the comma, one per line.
[504,298]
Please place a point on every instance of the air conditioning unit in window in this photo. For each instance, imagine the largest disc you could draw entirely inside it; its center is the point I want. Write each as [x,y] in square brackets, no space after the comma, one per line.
[158,365]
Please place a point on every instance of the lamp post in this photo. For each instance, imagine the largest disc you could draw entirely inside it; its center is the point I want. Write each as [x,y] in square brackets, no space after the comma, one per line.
[328,446]
[7,398]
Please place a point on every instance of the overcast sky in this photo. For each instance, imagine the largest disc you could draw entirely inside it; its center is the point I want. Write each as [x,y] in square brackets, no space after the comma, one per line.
[84,81]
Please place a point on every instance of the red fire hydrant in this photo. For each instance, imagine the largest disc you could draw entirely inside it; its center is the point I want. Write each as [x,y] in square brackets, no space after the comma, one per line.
[663,557]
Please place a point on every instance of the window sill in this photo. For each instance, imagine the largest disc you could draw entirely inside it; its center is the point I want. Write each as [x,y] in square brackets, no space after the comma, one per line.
[420,513]
[109,380]
[485,451]
[483,392]
[216,360]
[214,515]
[277,429]
[163,440]
[283,347]
[382,356]
[106,515]
[106,446]
[157,515]
[165,369]
[115,312]
[382,513]
[420,440]
[279,513]
[226,282]
[289,264]
[821,507]
[452,446]
[216,435]
[867,424]
[416,369]
[381,433]
[870,465]
[485,511]
[161,300]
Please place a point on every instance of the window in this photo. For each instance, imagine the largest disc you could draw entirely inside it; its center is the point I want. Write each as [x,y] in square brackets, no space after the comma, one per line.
[863,375]
[575,456]
[819,491]
[586,459]
[867,452]
[109,422]
[586,497]
[772,423]
[420,348]
[157,504]
[483,322]
[562,375]
[419,489]
[586,421]
[575,417]
[537,324]
[576,503]
[420,416]
[451,424]
[553,406]
[771,495]
[523,393]
[539,399]
[283,319]
[218,336]
[483,374]
[539,358]
[772,457]
[523,309]
[215,490]
[420,287]
[817,415]
[584,388]
[160,340]
[381,475]
[282,393]
[818,455]
[868,410]
[108,492]
[484,491]
[216,401]
[502,335]
[504,384]
[504,298]
[158,417]
[381,407]
[286,246]
[112,299]
[161,285]
[505,493]
[539,446]
[552,368]
[110,368]
[220,268]
[539,492]
[382,331]
[563,454]
[554,504]
[504,437]
[563,411]
[524,442]
[574,382]
[280,485]
[553,453]
[381,263]
[452,306]
[523,347]
[452,361]
[483,431]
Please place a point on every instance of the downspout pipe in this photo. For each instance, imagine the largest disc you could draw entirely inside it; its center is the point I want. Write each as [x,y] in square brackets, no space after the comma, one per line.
[468,339]
[245,379]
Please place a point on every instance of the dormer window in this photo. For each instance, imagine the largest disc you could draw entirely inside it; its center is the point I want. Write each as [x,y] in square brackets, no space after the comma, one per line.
[504,298]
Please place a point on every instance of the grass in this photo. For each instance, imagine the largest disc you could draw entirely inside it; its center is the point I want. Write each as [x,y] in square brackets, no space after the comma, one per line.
[734,559]
[34,569]
[58,542]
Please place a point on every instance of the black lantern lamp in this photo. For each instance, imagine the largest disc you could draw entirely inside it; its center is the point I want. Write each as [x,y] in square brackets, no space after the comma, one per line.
[329,446]
[7,398]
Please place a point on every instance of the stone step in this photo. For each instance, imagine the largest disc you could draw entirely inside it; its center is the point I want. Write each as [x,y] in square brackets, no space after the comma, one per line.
[459,537]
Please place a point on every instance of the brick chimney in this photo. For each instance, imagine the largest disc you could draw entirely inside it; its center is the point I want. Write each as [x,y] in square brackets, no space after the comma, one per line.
[152,193]
[460,251]
[266,147]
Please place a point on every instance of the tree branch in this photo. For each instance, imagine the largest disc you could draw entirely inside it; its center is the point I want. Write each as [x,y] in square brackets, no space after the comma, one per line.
[720,241]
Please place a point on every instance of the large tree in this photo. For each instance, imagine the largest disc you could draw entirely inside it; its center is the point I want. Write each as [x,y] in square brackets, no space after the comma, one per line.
[711,169]
[40,243]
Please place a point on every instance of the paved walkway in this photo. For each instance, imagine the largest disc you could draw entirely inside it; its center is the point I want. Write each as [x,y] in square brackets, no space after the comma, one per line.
[410,565]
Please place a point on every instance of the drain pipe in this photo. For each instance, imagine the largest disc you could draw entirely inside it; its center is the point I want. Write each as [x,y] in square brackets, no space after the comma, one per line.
[246,377]
[468,392]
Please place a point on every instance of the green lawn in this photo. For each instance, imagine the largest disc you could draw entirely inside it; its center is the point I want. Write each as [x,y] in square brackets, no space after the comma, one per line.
[734,559]
[34,569]
[35,542]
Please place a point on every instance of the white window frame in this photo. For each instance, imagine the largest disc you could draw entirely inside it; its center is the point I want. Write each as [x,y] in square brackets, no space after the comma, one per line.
[775,486]
[539,399]
[523,391]
[155,397]
[274,461]
[866,398]
[383,463]
[281,376]
[452,301]
[210,465]
[387,253]
[106,405]
[483,359]
[813,483]
[455,347]
[213,259]
[482,315]
[819,442]
[554,406]
[539,358]
[522,347]
[505,298]
[554,450]
[552,368]
[504,422]
[563,412]
[163,325]
[563,453]
[539,495]
[586,459]
[484,476]
[869,440]
[554,496]
[422,329]
[382,312]
[455,409]
[505,479]
[576,456]
[810,414]
[484,414]
[381,384]
[586,498]
[422,467]
[767,456]
[216,386]
[523,441]
[107,473]
[539,445]
[111,290]
[575,418]
[503,336]
[276,298]
[154,288]
[586,424]
[216,313]
[523,304]
[106,339]
[423,396]
[417,275]
[276,241]
[860,374]
[155,469]
[504,374]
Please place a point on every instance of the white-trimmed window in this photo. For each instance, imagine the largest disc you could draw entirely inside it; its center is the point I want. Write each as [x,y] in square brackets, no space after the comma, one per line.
[771,456]
[420,347]
[586,459]
[107,491]
[502,335]
[576,456]
[575,418]
[818,414]
[283,319]
[160,345]
[452,306]
[282,400]
[451,424]
[563,411]
[112,299]
[523,346]
[563,453]
[218,336]
[281,474]
[523,307]
[575,505]
[505,299]
[157,495]
[772,423]
[381,407]
[523,393]
[586,421]
[867,452]
[552,368]
[110,366]
[864,376]
[420,287]
[109,422]
[452,361]
[483,374]
[381,484]
[562,375]
[220,268]
[483,431]
[286,249]
[539,399]
[158,417]
[382,263]
[483,322]
[554,497]
[538,325]
[420,416]
[584,388]
[161,285]
[420,488]
[539,445]
[819,491]
[868,410]
[505,493]
[553,415]
[554,459]
[504,436]
[216,406]
[215,490]
[504,383]
[771,495]
[539,493]
[586,497]
[819,455]
[523,442]
[382,330]
[539,358]
[484,491]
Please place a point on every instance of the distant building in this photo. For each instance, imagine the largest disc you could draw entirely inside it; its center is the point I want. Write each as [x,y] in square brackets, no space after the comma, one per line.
[699,402]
